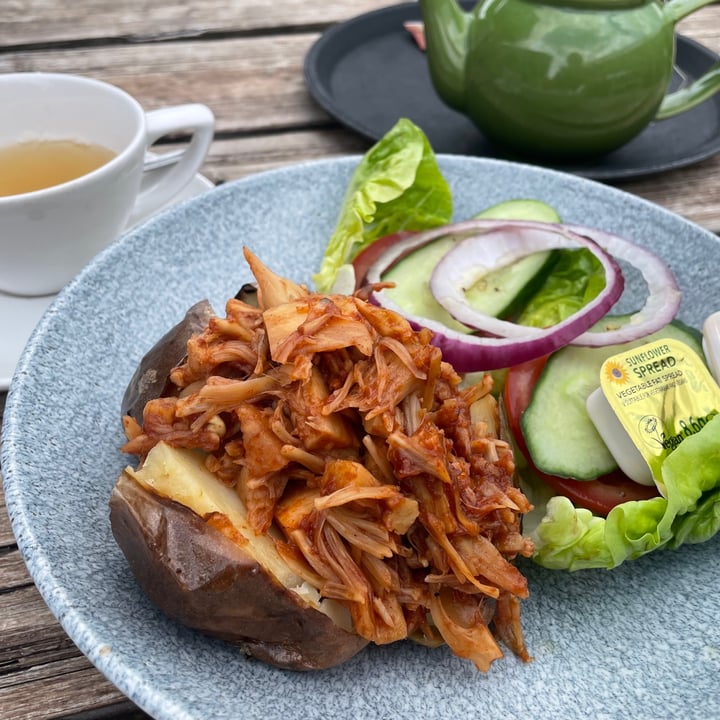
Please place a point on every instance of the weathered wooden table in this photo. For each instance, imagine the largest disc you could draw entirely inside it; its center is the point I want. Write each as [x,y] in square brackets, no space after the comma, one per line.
[244,59]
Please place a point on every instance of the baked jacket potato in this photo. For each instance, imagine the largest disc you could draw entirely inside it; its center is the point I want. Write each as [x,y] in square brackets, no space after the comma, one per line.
[204,579]
[313,477]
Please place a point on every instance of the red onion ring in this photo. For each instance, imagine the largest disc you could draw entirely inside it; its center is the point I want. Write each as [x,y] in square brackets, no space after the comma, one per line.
[458,269]
[469,353]
[663,299]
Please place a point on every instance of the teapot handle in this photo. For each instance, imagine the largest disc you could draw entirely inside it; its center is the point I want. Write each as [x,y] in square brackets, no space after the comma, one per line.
[688,97]
[706,85]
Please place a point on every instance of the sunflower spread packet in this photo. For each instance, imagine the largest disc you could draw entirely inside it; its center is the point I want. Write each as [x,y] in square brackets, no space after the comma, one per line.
[657,409]
[661,393]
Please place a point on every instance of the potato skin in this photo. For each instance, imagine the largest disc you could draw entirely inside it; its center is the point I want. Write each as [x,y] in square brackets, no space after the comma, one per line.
[151,376]
[200,578]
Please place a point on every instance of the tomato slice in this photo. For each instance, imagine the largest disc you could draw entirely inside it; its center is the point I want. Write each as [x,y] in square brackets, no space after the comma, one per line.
[519,385]
[600,495]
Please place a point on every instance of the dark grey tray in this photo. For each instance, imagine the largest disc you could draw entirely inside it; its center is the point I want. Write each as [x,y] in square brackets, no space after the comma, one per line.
[368,72]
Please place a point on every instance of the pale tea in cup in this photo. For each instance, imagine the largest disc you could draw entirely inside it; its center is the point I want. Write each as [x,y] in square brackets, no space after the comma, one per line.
[37,164]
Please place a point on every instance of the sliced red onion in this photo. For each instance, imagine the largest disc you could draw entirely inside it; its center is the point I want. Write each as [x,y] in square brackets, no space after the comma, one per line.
[663,299]
[470,259]
[404,245]
[469,353]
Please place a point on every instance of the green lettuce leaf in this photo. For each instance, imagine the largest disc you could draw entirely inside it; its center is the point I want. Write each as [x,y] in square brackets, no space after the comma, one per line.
[396,186]
[576,278]
[571,538]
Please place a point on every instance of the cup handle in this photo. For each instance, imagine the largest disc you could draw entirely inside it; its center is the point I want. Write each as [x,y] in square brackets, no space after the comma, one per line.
[194,118]
[688,97]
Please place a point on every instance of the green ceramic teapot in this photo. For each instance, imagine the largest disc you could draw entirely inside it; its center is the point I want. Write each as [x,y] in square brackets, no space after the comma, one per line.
[560,77]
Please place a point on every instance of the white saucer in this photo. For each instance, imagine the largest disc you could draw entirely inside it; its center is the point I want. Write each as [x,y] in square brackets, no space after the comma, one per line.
[18,315]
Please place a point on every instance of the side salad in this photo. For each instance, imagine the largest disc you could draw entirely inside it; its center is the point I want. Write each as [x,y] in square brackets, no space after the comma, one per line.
[517,293]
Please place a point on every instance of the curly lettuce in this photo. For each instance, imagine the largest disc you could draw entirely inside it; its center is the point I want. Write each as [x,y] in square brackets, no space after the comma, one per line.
[570,538]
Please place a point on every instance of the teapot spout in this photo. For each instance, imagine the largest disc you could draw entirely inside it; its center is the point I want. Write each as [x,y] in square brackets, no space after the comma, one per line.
[446,30]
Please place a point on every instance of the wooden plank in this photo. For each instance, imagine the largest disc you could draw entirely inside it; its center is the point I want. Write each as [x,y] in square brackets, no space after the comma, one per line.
[233,158]
[251,84]
[13,572]
[38,22]
[43,21]
[7,539]
[26,621]
[36,652]
[703,26]
[692,192]
[17,669]
[28,629]
[68,687]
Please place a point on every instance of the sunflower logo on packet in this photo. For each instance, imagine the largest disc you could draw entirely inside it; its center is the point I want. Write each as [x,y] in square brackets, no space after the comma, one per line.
[615,373]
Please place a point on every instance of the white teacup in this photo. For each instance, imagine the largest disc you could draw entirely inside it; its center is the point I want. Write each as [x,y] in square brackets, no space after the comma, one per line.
[47,235]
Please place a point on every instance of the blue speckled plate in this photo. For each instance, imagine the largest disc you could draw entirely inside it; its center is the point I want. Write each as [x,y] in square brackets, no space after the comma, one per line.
[642,641]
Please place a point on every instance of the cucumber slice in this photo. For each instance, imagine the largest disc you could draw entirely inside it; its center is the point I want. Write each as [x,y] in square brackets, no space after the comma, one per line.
[499,293]
[412,284]
[560,436]
[521,209]
[503,292]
